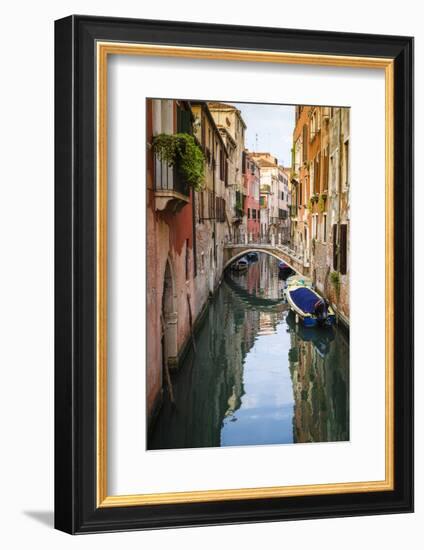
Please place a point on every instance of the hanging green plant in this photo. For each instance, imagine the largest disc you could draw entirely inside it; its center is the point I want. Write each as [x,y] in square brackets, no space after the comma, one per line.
[310,205]
[181,151]
[315,197]
[321,202]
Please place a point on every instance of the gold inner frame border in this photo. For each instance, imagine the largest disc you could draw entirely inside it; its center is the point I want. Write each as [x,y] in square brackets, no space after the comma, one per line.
[103,50]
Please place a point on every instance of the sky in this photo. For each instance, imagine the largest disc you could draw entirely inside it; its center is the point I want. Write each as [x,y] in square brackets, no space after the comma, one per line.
[273,125]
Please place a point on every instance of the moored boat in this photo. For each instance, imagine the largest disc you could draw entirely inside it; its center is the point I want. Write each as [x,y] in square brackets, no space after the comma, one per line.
[240,265]
[299,280]
[285,270]
[308,305]
[320,337]
[252,256]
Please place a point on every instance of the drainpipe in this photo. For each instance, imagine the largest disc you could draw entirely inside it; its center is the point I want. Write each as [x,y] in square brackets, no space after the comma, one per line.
[340,207]
[339,189]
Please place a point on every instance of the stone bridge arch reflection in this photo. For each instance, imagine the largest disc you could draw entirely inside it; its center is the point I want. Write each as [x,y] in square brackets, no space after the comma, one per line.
[252,300]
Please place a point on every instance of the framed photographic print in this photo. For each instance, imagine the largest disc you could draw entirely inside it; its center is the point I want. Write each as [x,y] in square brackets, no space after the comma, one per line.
[234,274]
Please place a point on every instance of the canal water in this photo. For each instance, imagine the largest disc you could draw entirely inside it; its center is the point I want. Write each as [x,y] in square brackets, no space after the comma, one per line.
[255,377]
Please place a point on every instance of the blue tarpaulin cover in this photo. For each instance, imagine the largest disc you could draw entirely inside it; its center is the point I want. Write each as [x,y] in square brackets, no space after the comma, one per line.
[305,299]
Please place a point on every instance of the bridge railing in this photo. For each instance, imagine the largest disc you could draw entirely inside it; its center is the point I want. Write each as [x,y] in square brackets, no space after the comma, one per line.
[247,239]
[297,255]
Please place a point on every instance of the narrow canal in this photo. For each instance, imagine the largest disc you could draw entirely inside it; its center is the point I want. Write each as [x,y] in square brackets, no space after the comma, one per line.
[256,377]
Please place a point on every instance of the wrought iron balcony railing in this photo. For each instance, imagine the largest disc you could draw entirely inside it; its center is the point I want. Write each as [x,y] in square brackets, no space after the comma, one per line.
[169,178]
[171,189]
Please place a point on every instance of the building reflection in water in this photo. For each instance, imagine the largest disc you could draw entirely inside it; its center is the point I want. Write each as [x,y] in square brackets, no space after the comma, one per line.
[256,378]
[319,367]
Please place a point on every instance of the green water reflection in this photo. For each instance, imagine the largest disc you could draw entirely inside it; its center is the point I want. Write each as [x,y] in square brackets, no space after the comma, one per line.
[256,377]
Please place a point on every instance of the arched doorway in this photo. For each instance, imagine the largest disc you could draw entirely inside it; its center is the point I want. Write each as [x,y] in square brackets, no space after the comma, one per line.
[169,318]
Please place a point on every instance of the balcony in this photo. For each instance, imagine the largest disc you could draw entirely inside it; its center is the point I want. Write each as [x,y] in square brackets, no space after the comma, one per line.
[239,207]
[171,190]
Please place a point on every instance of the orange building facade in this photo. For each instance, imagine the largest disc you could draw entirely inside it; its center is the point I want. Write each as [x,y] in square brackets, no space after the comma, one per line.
[321,200]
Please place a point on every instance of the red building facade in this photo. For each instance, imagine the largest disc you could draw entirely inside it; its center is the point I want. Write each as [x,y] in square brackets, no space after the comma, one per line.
[186,232]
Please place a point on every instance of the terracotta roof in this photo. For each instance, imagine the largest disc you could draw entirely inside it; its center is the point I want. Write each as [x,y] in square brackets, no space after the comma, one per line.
[205,106]
[217,105]
[263,163]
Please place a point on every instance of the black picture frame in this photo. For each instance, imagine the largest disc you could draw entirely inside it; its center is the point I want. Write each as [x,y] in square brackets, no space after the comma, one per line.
[76,510]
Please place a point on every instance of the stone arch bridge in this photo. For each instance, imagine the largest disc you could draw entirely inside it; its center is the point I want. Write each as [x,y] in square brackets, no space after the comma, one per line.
[234,251]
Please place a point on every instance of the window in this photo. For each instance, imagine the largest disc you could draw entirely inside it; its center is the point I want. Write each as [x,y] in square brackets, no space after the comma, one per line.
[282,195]
[324,228]
[211,205]
[220,209]
[187,261]
[325,171]
[305,143]
[248,213]
[254,213]
[296,154]
[221,165]
[317,168]
[346,162]
[343,249]
[335,247]
[201,206]
[184,121]
[315,226]
[243,162]
[332,175]
[313,127]
[312,178]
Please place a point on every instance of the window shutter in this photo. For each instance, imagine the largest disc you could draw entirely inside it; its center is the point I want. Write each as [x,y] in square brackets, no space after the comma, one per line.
[305,143]
[326,161]
[343,249]
[184,121]
[335,247]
